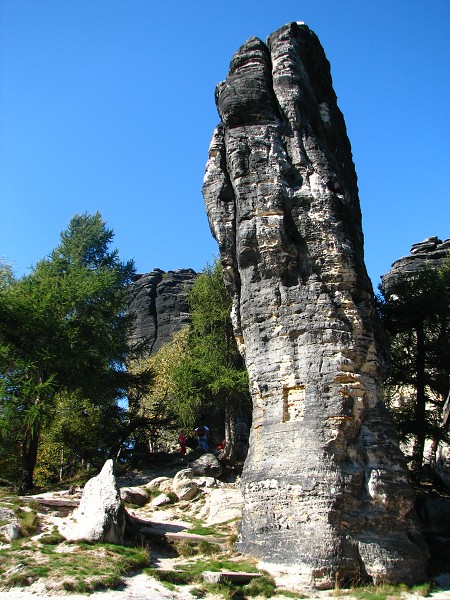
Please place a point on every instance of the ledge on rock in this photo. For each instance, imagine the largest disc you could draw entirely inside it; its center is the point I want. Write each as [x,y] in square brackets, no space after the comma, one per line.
[431,252]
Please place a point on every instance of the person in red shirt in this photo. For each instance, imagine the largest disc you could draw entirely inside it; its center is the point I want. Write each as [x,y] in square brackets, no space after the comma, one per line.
[182,441]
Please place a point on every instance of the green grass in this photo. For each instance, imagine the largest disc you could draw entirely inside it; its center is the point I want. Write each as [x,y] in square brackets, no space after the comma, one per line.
[389,592]
[28,521]
[170,576]
[81,567]
[219,564]
[202,530]
[262,586]
[26,513]
[191,573]
[52,537]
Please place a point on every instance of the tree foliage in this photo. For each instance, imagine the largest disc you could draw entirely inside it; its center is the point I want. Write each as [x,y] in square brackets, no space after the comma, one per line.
[211,377]
[63,329]
[157,407]
[416,314]
[200,375]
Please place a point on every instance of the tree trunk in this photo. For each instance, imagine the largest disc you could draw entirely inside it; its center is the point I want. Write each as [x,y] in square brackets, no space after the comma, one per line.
[61,464]
[419,413]
[433,452]
[230,431]
[29,459]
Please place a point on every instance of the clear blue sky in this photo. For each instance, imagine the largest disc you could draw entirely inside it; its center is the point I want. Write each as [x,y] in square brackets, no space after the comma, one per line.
[109,105]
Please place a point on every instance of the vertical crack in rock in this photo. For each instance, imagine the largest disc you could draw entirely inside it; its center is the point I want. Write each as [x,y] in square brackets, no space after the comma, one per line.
[325,485]
[158,301]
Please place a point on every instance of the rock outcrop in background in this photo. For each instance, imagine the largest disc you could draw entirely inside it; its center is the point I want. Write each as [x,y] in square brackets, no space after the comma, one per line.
[325,486]
[159,301]
[431,252]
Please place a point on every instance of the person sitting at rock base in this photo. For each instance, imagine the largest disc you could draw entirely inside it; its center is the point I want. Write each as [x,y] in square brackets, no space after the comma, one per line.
[202,437]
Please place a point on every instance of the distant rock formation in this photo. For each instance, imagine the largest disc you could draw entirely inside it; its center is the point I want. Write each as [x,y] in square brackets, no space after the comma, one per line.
[159,301]
[431,252]
[325,485]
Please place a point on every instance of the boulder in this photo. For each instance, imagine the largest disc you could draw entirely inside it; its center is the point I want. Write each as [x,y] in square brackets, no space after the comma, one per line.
[206,482]
[162,484]
[11,530]
[134,495]
[325,487]
[160,500]
[184,486]
[101,516]
[207,465]
[222,505]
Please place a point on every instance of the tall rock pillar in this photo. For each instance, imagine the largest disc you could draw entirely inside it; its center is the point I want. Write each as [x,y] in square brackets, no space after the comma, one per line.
[325,487]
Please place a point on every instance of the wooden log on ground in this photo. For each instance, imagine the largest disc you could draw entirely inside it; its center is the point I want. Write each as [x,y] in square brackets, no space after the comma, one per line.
[73,503]
[234,576]
[184,536]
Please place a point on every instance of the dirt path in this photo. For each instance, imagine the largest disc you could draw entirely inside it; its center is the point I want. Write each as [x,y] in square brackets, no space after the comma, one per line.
[141,587]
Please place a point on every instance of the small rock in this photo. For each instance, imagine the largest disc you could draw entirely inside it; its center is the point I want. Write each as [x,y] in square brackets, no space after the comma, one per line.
[234,576]
[206,482]
[11,530]
[134,495]
[163,484]
[222,505]
[160,500]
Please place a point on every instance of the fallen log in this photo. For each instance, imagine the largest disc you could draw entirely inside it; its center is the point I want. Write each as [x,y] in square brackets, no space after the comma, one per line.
[73,503]
[233,576]
[184,536]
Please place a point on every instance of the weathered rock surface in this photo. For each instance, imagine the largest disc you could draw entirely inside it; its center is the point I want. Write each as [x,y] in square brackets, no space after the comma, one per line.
[184,485]
[134,495]
[222,505]
[324,484]
[162,484]
[159,301]
[10,530]
[160,500]
[431,252]
[208,465]
[101,516]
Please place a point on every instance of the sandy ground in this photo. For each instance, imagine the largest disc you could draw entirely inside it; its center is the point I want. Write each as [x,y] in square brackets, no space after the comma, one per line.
[141,587]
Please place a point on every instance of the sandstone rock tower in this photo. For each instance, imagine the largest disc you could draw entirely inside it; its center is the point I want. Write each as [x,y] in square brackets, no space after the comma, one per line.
[326,493]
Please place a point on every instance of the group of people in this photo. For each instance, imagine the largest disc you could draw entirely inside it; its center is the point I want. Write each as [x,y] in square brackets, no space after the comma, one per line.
[201,434]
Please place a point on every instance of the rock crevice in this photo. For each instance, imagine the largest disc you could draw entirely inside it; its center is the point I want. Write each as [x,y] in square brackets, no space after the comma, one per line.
[324,482]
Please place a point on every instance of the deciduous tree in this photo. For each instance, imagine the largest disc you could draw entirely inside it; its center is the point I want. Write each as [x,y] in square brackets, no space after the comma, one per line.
[211,376]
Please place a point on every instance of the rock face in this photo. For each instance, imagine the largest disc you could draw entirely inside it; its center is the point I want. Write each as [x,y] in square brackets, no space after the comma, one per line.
[431,252]
[324,484]
[100,516]
[10,529]
[159,301]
